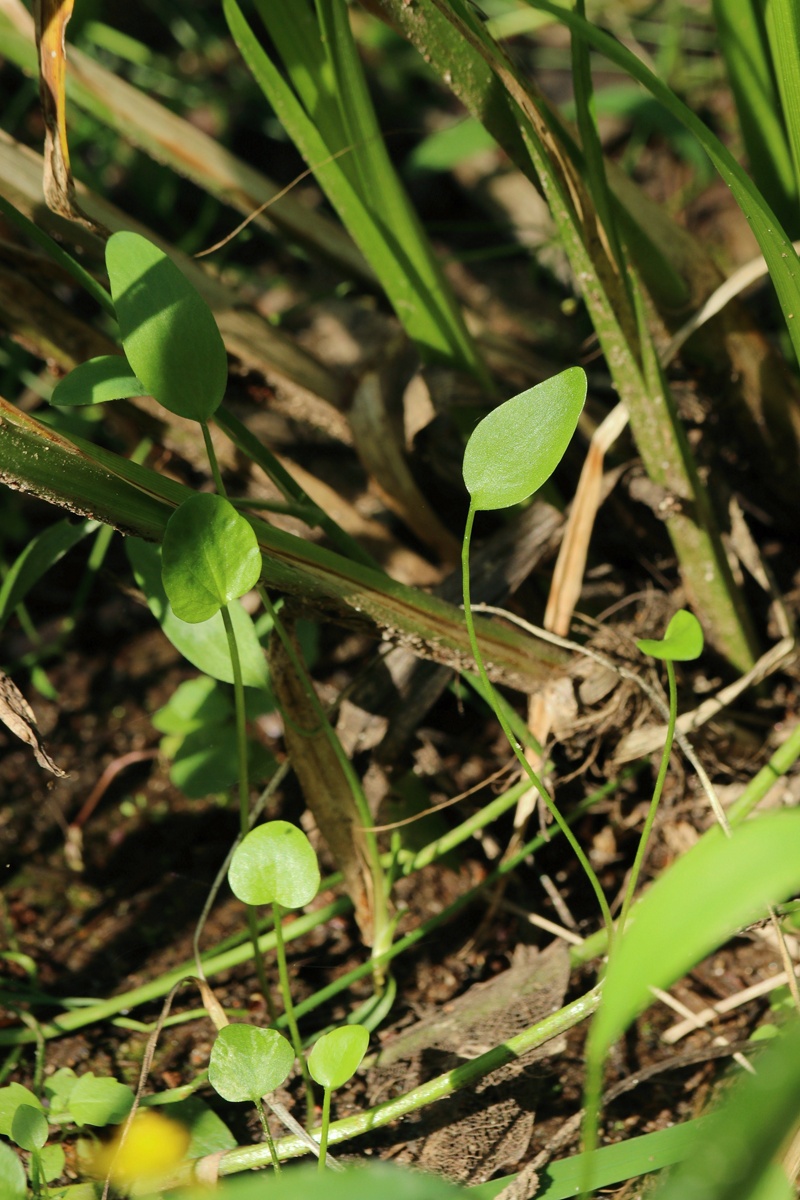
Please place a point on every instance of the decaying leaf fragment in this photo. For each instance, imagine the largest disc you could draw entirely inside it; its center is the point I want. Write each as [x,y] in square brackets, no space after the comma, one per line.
[17,715]
[51,17]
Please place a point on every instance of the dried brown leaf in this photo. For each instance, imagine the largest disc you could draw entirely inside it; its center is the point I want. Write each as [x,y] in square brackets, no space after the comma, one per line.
[17,715]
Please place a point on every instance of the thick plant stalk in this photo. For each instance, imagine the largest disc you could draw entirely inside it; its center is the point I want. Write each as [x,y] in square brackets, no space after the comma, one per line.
[91,481]
[660,438]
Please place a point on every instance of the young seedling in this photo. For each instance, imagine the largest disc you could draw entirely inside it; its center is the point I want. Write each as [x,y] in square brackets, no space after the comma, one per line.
[682,642]
[247,1063]
[335,1058]
[508,457]
[275,864]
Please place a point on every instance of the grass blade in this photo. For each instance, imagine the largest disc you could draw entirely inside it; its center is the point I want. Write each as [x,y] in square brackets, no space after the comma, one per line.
[399,254]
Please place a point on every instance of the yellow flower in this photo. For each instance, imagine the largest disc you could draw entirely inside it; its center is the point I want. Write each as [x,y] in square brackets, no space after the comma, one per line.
[152,1147]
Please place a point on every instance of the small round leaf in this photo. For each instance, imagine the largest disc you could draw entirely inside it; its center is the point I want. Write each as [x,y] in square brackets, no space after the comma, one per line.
[247,1063]
[516,448]
[682,642]
[99,1100]
[275,863]
[169,333]
[29,1127]
[337,1055]
[209,557]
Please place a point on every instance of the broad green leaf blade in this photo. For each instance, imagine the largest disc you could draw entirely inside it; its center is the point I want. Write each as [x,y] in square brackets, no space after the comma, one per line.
[11,1097]
[247,1063]
[13,1185]
[203,643]
[208,1133]
[337,1055]
[275,864]
[734,1159]
[29,1127]
[97,381]
[682,642]
[40,554]
[169,333]
[703,899]
[400,256]
[516,448]
[193,705]
[209,557]
[99,1100]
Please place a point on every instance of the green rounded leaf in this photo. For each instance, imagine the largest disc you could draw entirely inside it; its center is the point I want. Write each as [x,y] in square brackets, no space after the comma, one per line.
[337,1055]
[29,1127]
[13,1185]
[11,1097]
[247,1063]
[97,381]
[99,1100]
[51,1163]
[516,448]
[204,644]
[275,863]
[209,557]
[169,333]
[683,641]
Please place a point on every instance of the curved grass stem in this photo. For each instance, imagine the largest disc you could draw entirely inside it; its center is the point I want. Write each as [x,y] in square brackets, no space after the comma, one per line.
[512,741]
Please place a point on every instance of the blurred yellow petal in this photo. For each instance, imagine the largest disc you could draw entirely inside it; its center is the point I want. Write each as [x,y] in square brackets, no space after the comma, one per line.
[153,1146]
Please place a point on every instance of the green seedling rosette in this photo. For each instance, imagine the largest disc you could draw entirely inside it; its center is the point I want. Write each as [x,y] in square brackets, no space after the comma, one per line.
[171,339]
[334,1060]
[248,1063]
[276,864]
[510,454]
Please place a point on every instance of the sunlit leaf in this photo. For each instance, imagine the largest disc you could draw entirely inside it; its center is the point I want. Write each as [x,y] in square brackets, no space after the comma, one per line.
[682,642]
[275,863]
[516,447]
[247,1063]
[337,1055]
[169,333]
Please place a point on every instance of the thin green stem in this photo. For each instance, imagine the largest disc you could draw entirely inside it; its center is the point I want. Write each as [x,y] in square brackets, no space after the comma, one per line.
[323,1131]
[244,793]
[381,921]
[651,814]
[288,1004]
[273,1153]
[512,741]
[212,459]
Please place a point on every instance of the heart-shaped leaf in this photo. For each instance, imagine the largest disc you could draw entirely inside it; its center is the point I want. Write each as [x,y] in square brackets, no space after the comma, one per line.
[516,448]
[169,333]
[337,1055]
[247,1063]
[682,642]
[97,381]
[203,643]
[275,863]
[209,557]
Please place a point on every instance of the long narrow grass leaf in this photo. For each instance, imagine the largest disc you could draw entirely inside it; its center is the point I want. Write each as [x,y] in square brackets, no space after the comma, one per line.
[776,245]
